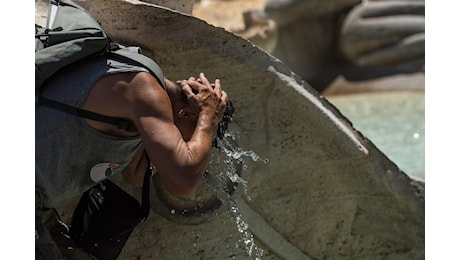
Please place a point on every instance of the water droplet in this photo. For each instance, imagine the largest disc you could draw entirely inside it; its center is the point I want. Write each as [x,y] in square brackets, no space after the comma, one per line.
[173,211]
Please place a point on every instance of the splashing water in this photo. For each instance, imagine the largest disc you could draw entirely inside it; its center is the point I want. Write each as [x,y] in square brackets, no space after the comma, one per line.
[229,162]
[235,159]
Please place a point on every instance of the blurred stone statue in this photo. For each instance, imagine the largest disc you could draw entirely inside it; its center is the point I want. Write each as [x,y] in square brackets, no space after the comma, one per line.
[360,40]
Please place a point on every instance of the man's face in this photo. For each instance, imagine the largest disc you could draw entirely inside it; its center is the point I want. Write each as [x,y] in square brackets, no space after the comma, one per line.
[184,118]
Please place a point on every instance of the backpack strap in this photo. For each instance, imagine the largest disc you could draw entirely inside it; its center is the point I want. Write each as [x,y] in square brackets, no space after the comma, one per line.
[146,188]
[128,53]
[121,123]
[134,53]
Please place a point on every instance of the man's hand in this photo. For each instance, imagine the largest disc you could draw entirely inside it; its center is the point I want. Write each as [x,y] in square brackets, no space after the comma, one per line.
[206,99]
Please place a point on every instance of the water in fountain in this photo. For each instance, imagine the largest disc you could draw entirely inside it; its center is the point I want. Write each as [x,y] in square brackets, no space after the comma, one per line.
[395,122]
[230,162]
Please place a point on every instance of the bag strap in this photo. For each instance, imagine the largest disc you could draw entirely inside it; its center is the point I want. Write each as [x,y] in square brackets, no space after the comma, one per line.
[146,188]
[134,54]
[121,123]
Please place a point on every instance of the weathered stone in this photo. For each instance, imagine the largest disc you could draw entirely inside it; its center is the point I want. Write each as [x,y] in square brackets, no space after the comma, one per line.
[259,30]
[307,36]
[286,12]
[185,6]
[384,33]
[321,40]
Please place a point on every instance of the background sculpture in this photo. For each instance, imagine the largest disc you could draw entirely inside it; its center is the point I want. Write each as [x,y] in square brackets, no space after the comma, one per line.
[360,40]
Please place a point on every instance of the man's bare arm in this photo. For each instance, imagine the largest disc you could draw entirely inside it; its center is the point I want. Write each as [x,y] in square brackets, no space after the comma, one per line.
[180,163]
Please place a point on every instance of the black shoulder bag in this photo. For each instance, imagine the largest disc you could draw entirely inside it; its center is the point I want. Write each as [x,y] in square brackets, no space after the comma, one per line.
[106,216]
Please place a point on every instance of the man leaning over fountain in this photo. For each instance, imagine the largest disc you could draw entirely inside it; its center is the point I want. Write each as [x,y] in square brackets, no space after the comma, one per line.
[174,126]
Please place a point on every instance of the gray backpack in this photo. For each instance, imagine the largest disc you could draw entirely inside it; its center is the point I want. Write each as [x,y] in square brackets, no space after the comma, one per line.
[72,35]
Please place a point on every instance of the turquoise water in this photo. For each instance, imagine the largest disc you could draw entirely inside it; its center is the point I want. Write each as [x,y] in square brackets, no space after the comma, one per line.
[394,122]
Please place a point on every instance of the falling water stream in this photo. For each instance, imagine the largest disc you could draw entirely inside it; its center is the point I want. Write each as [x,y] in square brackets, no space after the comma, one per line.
[404,112]
[230,162]
[393,121]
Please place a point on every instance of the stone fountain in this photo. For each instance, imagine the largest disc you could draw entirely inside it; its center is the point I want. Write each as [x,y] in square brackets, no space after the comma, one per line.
[325,191]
